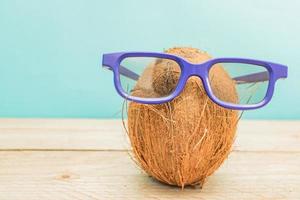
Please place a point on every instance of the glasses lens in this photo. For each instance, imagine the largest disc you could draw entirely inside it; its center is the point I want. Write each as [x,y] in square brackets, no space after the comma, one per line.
[148,77]
[239,83]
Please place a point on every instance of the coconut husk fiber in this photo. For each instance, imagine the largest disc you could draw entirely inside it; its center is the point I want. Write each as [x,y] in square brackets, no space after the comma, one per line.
[184,141]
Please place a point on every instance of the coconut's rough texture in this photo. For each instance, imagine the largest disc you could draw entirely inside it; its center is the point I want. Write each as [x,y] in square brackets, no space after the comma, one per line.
[184,141]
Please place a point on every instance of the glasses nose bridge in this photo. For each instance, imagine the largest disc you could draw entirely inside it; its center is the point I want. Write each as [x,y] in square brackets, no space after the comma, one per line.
[197,70]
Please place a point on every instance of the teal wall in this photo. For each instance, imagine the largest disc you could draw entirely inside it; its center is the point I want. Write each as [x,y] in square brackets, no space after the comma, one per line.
[50,51]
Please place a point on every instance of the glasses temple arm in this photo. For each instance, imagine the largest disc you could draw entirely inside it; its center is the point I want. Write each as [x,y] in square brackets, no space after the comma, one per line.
[126,72]
[252,78]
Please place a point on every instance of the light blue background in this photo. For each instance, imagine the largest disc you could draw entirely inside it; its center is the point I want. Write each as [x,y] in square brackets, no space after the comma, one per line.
[50,51]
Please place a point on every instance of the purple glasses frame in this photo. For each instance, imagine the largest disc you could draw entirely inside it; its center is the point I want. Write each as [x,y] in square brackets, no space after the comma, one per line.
[274,72]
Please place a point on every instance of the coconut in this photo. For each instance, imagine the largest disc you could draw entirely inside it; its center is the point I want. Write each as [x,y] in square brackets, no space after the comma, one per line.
[183,141]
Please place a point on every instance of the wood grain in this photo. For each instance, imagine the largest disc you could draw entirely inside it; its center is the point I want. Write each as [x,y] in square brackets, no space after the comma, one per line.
[78,134]
[62,134]
[112,175]
[90,159]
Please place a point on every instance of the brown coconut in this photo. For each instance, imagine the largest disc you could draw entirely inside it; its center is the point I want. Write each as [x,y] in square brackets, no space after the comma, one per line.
[184,141]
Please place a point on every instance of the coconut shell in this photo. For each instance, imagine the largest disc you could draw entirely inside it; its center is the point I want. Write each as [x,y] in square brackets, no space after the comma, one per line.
[184,141]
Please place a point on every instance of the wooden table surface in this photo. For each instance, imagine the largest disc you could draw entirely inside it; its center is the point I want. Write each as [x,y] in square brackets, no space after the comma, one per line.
[89,159]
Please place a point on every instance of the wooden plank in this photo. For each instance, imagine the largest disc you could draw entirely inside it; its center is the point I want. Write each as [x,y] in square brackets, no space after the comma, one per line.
[79,134]
[89,175]
[64,134]
[283,136]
